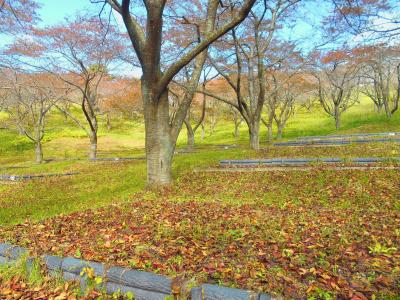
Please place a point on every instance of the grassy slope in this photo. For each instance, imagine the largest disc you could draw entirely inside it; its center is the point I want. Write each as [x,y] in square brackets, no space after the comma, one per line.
[103,183]
[317,246]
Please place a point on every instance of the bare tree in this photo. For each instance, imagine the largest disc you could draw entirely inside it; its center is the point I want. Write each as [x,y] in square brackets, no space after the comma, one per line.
[285,111]
[191,129]
[337,81]
[291,86]
[380,76]
[147,41]
[246,75]
[31,97]
[80,53]
[237,121]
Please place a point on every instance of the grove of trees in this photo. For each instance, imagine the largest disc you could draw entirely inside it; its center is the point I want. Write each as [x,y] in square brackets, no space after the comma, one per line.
[200,61]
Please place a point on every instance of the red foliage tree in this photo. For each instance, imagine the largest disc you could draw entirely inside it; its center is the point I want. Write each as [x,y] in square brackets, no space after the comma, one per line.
[148,23]
[80,53]
[337,78]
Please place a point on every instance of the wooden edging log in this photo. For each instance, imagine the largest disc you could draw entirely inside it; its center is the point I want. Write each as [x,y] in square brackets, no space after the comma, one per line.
[348,136]
[144,285]
[196,149]
[28,177]
[95,159]
[116,159]
[336,142]
[244,169]
[303,161]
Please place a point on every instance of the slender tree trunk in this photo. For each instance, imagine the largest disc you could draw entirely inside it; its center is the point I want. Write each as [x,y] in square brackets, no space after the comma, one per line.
[213,123]
[337,122]
[337,117]
[203,131]
[190,135]
[378,108]
[270,136]
[160,145]
[236,132]
[93,145]
[108,122]
[38,152]
[387,109]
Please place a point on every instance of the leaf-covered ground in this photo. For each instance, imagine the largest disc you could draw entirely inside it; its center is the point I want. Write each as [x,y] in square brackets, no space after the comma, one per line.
[316,233]
[17,288]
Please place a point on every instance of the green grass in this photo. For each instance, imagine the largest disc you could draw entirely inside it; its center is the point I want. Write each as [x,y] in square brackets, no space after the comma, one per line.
[102,183]
[304,202]
[279,232]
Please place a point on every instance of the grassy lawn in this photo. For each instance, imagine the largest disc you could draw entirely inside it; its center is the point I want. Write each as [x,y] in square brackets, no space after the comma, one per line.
[317,233]
[320,232]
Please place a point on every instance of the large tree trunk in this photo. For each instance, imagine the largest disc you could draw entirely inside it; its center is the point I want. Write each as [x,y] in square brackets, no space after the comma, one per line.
[93,145]
[160,145]
[38,152]
[254,131]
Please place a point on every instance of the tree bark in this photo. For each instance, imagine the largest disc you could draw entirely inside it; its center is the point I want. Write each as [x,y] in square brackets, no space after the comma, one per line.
[254,140]
[280,131]
[93,145]
[387,109]
[160,145]
[337,117]
[378,108]
[108,122]
[270,136]
[190,134]
[190,138]
[254,131]
[38,152]
[203,131]
[236,132]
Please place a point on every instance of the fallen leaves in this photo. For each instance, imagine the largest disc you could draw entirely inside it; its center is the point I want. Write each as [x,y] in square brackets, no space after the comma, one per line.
[16,288]
[307,234]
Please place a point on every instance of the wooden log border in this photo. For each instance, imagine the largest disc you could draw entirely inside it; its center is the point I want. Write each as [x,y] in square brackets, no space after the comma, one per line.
[29,177]
[336,142]
[347,136]
[305,161]
[144,285]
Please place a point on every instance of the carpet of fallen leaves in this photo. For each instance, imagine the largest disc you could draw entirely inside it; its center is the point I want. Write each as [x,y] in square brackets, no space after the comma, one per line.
[318,233]
[17,288]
